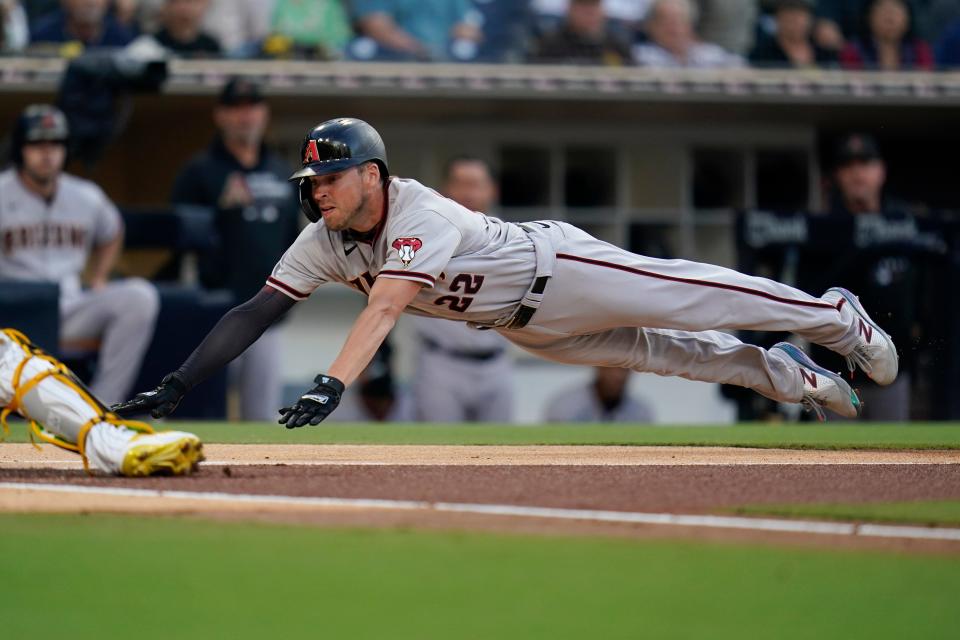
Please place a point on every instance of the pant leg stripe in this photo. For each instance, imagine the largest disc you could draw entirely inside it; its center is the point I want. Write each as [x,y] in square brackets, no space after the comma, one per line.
[702,283]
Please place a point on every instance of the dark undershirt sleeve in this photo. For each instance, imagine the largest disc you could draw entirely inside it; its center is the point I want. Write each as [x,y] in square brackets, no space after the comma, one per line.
[237,329]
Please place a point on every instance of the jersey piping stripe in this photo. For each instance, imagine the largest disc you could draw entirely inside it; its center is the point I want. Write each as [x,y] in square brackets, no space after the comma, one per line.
[409,275]
[287,289]
[702,283]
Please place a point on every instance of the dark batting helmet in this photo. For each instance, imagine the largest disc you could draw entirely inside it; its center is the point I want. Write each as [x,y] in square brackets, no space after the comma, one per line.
[333,146]
[38,123]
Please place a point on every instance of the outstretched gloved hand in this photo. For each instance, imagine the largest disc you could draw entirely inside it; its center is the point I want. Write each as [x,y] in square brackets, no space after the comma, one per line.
[158,403]
[315,405]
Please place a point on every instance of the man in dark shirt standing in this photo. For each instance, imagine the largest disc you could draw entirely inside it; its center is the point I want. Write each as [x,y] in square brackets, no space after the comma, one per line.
[877,265]
[257,218]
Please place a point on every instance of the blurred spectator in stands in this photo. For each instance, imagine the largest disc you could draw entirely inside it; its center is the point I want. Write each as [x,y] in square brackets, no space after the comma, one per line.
[88,22]
[418,29]
[506,30]
[14,28]
[730,24]
[948,46]
[673,42]
[308,29]
[257,218]
[934,18]
[240,26]
[37,9]
[792,44]
[837,21]
[55,227]
[886,283]
[604,400]
[624,17]
[181,29]
[126,13]
[887,41]
[583,38]
[463,374]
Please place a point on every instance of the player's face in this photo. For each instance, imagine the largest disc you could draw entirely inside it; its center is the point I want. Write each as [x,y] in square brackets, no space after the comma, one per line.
[862,180]
[342,197]
[243,123]
[470,184]
[43,161]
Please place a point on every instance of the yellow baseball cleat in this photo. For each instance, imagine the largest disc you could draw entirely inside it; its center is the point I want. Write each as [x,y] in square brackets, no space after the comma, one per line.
[166,453]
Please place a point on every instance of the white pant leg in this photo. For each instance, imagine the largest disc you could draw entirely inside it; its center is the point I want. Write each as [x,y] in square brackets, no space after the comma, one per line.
[257,374]
[60,409]
[122,315]
[597,286]
[707,356]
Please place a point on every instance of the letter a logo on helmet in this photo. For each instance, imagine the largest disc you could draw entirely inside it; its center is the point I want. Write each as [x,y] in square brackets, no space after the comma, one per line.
[407,248]
[312,154]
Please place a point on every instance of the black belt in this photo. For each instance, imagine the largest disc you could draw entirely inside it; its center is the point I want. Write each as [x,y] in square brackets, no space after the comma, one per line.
[476,356]
[524,313]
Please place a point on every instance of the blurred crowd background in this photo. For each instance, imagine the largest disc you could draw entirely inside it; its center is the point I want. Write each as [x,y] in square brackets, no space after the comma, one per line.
[177,122]
[845,34]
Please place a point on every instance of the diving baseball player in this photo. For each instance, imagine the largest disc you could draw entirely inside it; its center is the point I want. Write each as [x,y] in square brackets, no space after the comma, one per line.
[52,226]
[63,412]
[546,286]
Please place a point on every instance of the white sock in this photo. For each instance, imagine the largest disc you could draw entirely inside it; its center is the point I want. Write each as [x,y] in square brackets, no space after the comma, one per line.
[106,446]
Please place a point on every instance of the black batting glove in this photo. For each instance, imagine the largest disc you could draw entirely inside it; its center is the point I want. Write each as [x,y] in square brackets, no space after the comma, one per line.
[315,405]
[158,403]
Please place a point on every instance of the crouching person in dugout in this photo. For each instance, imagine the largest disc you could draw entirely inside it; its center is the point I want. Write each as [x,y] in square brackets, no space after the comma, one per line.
[63,412]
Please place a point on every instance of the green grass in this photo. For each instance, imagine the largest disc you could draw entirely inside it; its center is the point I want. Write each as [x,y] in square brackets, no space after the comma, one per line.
[803,436]
[102,577]
[934,512]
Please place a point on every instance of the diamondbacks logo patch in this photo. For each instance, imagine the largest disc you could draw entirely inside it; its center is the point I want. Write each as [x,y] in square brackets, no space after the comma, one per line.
[311,153]
[407,248]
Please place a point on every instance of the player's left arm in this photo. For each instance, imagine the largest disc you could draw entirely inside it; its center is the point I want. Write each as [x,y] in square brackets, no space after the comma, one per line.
[388,298]
[103,257]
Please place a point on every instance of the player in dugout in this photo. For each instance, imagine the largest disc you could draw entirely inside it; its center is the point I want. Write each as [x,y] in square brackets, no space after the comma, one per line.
[547,286]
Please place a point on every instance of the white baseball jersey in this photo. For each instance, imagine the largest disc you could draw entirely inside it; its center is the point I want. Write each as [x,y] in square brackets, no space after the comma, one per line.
[51,241]
[560,293]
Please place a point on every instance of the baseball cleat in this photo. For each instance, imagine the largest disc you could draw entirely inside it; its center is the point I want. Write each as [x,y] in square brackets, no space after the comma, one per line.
[169,453]
[875,352]
[821,388]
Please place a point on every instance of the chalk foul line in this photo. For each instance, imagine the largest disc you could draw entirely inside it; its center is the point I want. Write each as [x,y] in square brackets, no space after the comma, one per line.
[590,515]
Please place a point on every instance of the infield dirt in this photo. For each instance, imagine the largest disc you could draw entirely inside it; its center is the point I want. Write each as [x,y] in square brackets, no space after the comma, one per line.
[631,479]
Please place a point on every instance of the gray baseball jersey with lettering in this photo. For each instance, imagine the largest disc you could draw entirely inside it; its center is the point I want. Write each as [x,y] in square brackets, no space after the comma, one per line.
[598,304]
[473,267]
[51,241]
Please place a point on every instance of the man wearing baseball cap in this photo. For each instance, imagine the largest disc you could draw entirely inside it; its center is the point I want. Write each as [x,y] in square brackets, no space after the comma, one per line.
[54,227]
[885,279]
[244,183]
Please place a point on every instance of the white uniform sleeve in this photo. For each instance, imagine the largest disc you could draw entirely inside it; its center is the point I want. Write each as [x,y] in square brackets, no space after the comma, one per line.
[420,248]
[305,265]
[108,222]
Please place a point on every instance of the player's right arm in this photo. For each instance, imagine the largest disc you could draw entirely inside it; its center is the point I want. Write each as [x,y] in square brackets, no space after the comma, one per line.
[233,334]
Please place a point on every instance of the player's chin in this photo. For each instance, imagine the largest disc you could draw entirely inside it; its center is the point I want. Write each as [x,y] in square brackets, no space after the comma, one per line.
[333,221]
